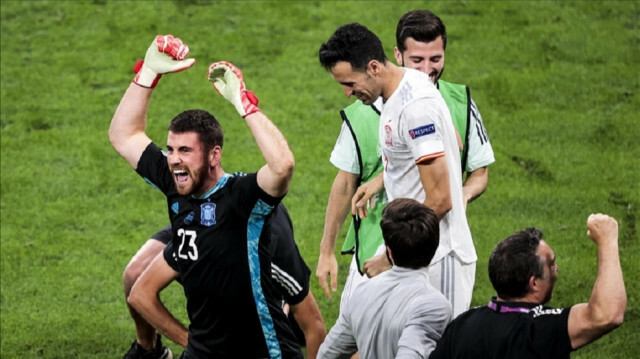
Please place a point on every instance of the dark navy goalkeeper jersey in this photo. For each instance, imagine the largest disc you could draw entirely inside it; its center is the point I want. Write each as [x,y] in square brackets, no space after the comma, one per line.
[224,265]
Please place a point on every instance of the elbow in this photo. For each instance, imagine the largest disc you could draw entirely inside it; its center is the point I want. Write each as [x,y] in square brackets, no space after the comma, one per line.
[612,318]
[285,168]
[443,207]
[112,137]
[115,138]
[617,320]
[617,316]
[612,322]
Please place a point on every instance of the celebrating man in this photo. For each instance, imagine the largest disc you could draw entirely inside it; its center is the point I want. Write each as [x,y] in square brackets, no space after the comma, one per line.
[217,219]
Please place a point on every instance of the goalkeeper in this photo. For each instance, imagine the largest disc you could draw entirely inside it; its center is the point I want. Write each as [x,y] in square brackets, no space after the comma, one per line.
[217,219]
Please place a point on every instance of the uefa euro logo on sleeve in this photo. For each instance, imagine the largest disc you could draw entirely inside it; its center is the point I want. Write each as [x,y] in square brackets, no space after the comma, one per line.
[422,131]
[208,214]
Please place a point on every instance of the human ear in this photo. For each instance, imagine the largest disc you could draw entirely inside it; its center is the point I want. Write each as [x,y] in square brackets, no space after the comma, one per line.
[373,67]
[214,156]
[398,55]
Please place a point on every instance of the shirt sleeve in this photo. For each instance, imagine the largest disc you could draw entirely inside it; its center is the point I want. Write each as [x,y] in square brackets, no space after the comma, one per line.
[153,168]
[170,256]
[480,153]
[340,342]
[421,129]
[344,155]
[552,324]
[249,197]
[424,328]
[288,270]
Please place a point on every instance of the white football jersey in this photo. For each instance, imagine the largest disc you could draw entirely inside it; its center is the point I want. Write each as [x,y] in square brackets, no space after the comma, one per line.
[415,124]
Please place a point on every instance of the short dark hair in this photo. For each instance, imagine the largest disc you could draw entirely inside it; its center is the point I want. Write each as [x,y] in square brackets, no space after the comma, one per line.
[352,43]
[514,260]
[422,25]
[203,123]
[412,231]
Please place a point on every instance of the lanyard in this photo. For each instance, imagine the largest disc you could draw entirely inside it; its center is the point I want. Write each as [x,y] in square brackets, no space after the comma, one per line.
[504,309]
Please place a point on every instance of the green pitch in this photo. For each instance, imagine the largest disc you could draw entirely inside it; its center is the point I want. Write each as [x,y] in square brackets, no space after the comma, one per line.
[556,83]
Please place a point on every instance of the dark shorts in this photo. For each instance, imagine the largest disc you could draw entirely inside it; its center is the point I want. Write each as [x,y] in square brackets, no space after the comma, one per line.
[164,235]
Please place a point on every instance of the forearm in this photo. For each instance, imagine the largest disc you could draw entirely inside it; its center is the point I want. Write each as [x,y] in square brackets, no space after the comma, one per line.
[153,311]
[314,339]
[475,184]
[127,129]
[440,205]
[338,208]
[608,298]
[307,315]
[606,306]
[434,176]
[274,148]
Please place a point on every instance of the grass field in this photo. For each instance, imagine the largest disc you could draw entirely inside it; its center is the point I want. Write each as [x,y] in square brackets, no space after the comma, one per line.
[556,82]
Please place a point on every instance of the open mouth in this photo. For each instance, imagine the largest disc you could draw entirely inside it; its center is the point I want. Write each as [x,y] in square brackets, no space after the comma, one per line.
[181,176]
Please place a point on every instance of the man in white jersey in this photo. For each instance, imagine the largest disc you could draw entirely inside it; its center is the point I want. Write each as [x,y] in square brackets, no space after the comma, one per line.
[420,148]
[421,40]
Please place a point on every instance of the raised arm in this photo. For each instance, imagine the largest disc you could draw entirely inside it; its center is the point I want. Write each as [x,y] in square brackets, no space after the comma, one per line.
[343,188]
[605,309]
[127,130]
[145,299]
[275,176]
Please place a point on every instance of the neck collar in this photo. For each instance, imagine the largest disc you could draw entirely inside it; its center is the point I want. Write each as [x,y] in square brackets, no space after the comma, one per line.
[510,307]
[221,182]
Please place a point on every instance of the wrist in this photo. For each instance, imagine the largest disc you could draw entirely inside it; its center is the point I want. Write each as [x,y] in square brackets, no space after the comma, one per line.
[145,77]
[248,113]
[326,250]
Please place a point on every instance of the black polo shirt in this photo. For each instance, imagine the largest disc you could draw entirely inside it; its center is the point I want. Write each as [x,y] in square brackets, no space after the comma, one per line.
[224,265]
[504,330]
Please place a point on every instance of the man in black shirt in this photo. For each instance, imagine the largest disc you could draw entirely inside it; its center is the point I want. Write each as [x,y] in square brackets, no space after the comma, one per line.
[289,272]
[516,324]
[217,219]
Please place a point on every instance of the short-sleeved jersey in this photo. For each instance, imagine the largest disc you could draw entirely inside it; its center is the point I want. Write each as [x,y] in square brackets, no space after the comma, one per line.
[224,265]
[480,152]
[288,269]
[344,155]
[415,127]
[507,330]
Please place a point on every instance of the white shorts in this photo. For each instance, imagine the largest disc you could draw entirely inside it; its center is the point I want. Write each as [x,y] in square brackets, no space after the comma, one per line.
[455,280]
[354,279]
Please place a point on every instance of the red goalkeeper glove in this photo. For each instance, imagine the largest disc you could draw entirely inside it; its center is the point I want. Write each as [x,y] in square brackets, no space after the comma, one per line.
[227,80]
[166,54]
